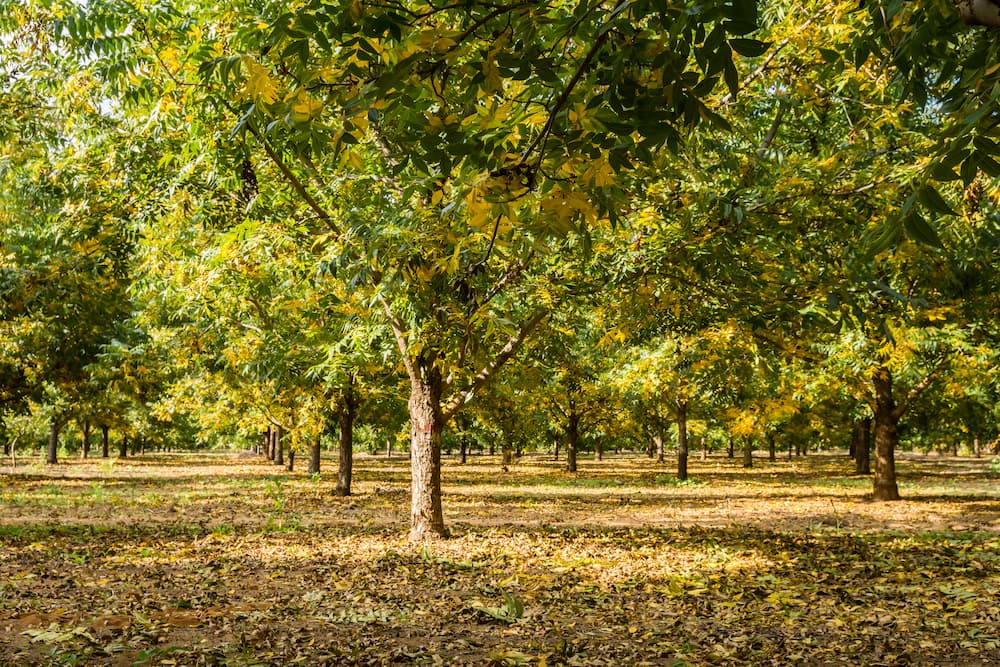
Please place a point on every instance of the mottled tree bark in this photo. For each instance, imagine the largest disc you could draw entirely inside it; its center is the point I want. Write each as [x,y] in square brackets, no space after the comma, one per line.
[426,425]
[748,454]
[886,424]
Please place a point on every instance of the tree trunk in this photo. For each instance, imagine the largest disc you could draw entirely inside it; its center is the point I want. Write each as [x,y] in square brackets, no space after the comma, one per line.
[345,440]
[704,448]
[314,452]
[426,425]
[772,454]
[855,434]
[658,439]
[265,443]
[105,441]
[682,441]
[388,448]
[291,460]
[862,449]
[279,446]
[85,447]
[555,444]
[506,454]
[748,454]
[572,437]
[52,451]
[599,450]
[730,447]
[886,423]
[976,446]
[123,447]
[463,448]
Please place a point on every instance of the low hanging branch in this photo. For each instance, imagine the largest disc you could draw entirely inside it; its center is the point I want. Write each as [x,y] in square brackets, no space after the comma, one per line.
[491,368]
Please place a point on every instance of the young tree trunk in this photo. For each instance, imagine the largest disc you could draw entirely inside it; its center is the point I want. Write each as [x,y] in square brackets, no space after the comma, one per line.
[291,460]
[426,425]
[772,454]
[555,445]
[704,448]
[463,448]
[314,452]
[105,441]
[748,454]
[85,447]
[572,438]
[123,447]
[976,446]
[345,440]
[265,443]
[506,454]
[862,449]
[388,448]
[682,441]
[658,439]
[279,446]
[52,451]
[886,424]
[599,450]
[730,448]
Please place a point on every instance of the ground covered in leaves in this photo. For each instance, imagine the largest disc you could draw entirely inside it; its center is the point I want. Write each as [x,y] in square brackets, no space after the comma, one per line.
[223,559]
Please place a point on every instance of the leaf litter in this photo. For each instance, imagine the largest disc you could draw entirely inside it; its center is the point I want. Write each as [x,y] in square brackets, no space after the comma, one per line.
[198,559]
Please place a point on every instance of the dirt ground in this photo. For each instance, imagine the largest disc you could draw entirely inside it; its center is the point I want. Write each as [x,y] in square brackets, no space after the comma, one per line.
[224,559]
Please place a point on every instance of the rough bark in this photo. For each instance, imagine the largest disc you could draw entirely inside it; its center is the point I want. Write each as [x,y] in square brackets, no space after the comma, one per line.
[730,448]
[291,460]
[599,450]
[704,448]
[977,448]
[682,441]
[123,447]
[105,441]
[52,450]
[748,454]
[426,425]
[463,448]
[314,452]
[886,424]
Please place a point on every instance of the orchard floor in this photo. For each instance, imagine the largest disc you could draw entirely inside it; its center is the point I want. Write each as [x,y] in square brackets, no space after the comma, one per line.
[223,559]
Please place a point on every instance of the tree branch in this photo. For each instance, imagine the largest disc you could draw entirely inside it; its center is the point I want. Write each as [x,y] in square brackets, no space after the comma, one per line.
[919,387]
[400,335]
[491,368]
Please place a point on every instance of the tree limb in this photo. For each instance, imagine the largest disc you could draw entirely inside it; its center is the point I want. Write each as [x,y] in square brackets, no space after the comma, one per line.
[919,387]
[399,334]
[491,368]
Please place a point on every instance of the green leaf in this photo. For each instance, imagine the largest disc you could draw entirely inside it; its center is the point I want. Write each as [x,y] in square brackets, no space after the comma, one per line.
[920,230]
[933,200]
[751,48]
